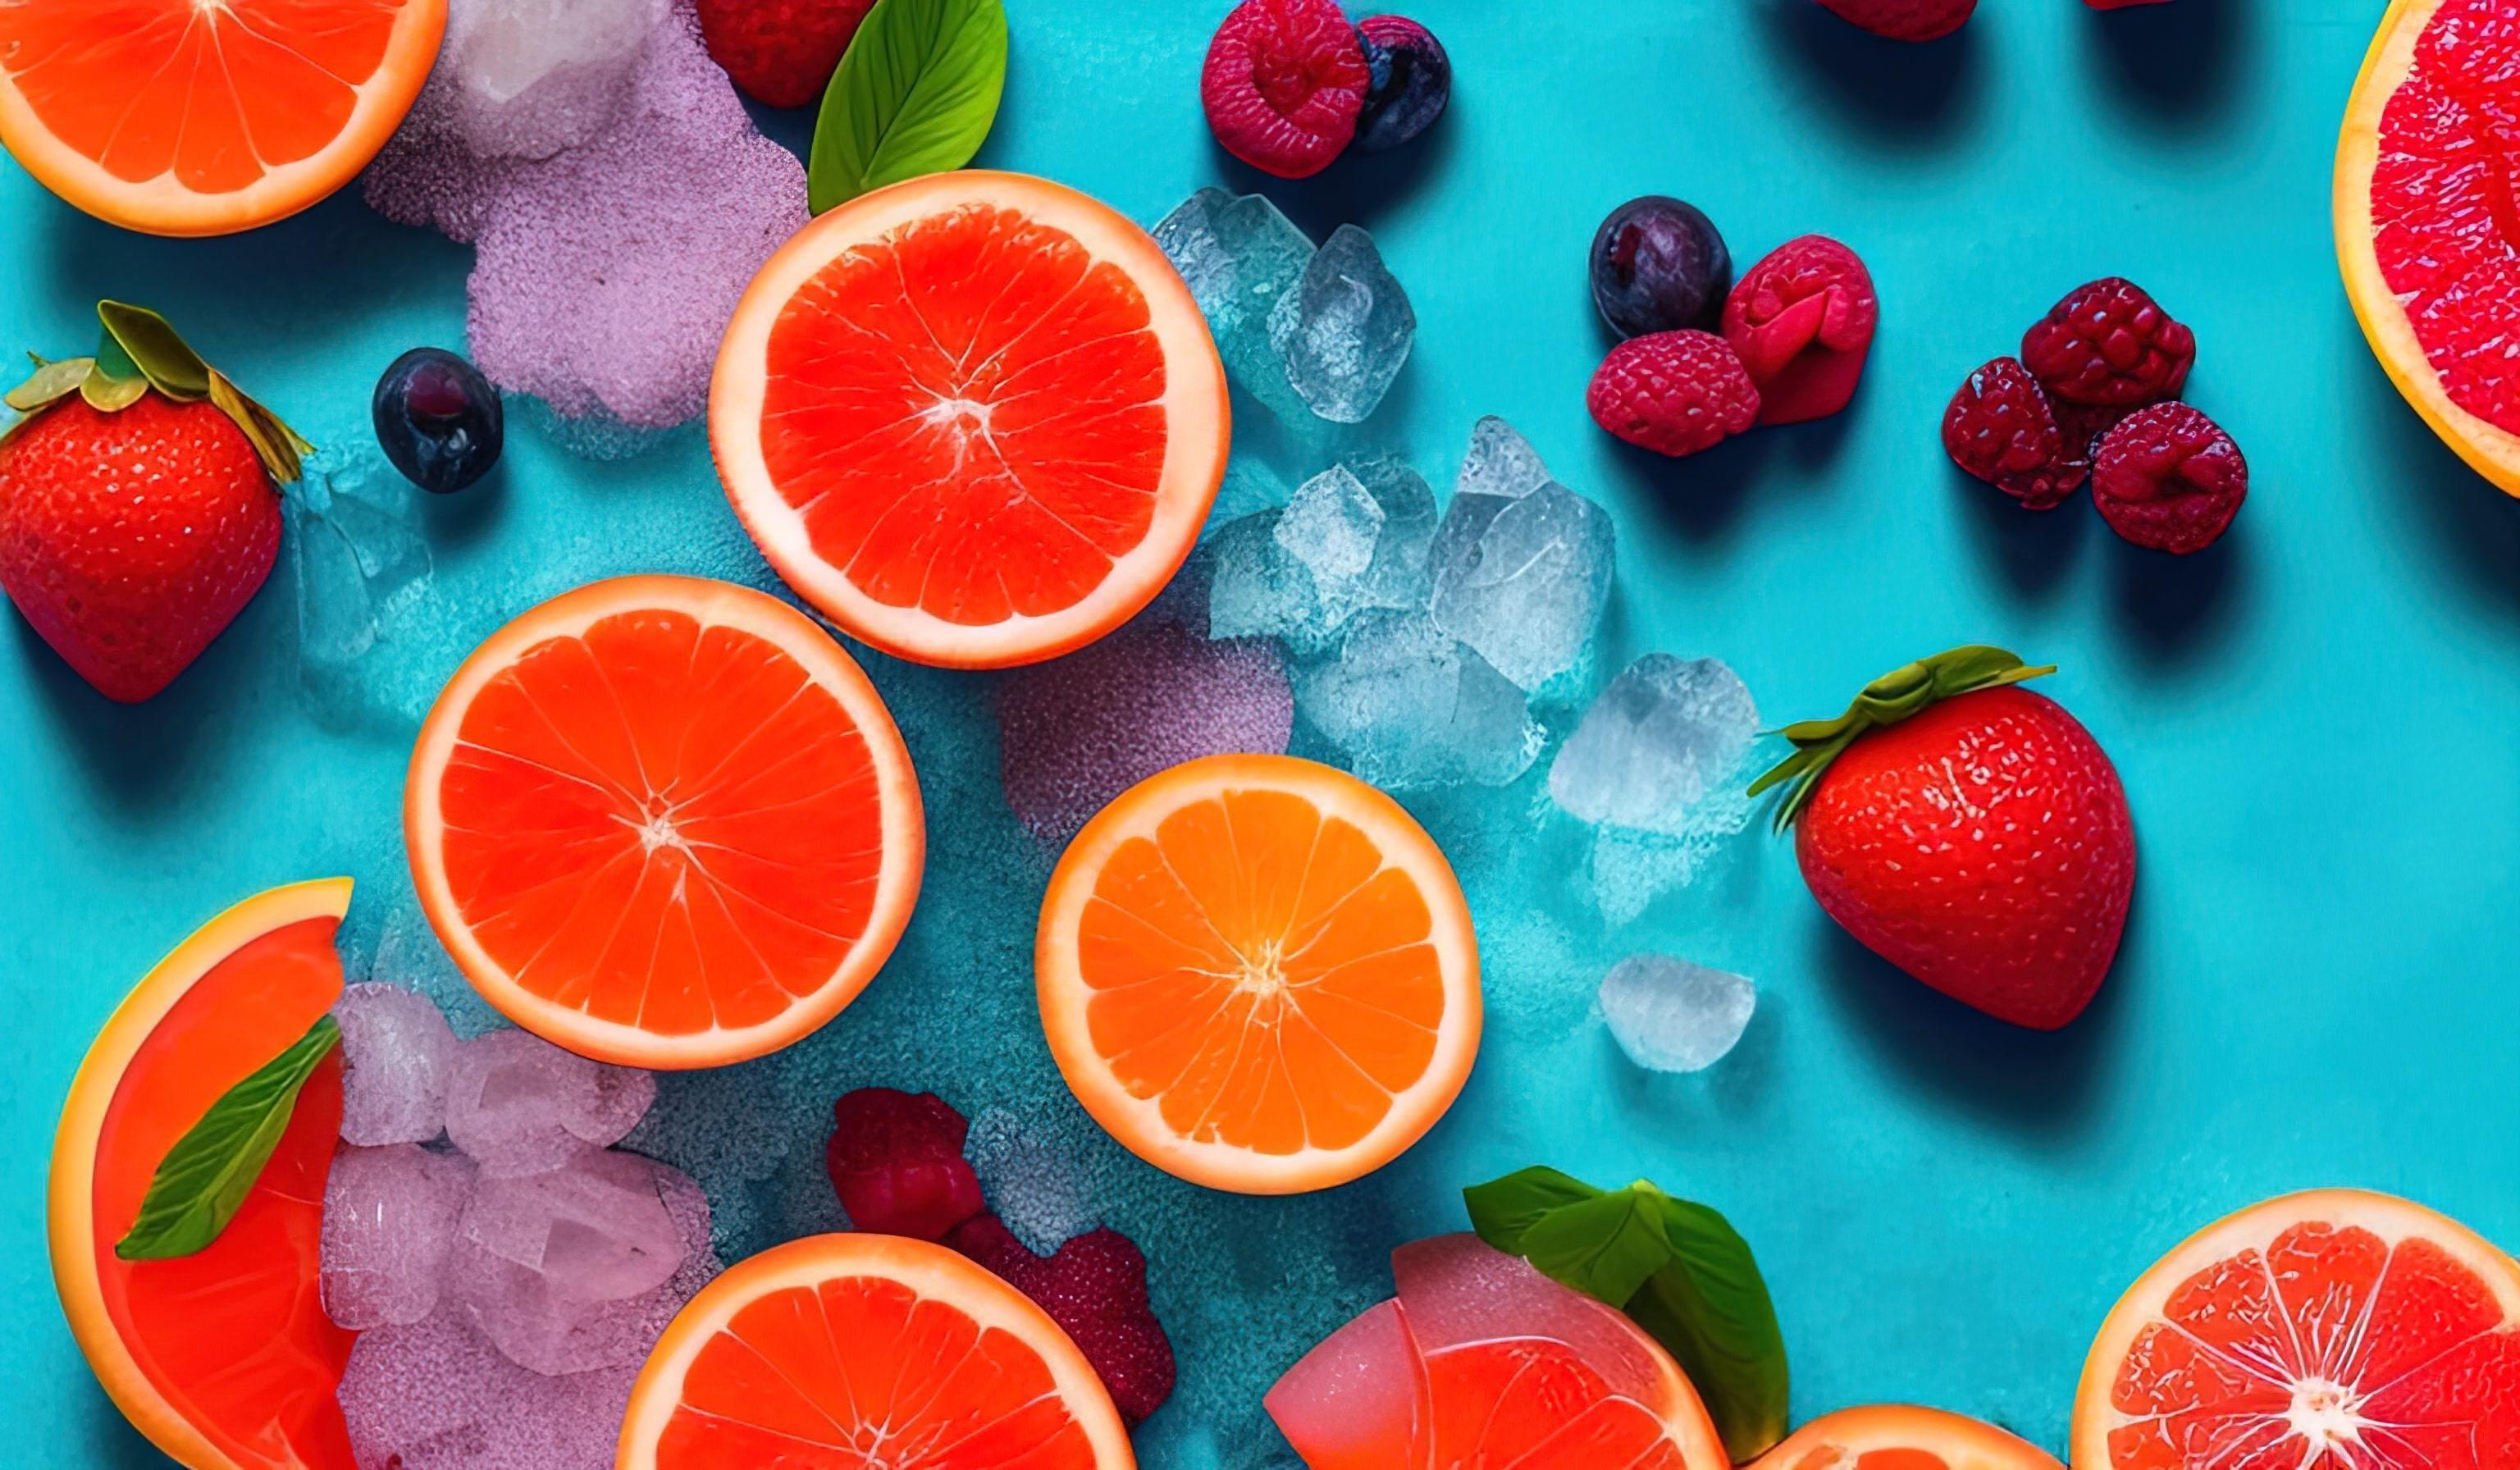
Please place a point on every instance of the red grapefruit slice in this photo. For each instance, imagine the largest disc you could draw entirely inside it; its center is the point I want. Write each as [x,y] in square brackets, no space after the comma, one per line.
[1901,1437]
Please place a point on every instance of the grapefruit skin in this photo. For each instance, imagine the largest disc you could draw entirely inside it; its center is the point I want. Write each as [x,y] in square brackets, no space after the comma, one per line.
[1903,1436]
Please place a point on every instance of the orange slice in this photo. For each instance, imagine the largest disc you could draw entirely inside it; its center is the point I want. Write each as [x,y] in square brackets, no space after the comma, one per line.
[223,1358]
[2332,1330]
[2427,232]
[860,1350]
[1258,973]
[1901,1437]
[974,418]
[208,116]
[665,822]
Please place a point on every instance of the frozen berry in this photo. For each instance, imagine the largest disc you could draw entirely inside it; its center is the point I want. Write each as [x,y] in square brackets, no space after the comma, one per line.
[2117,3]
[1095,1286]
[1672,392]
[2000,429]
[2169,478]
[1802,320]
[896,1162]
[1283,83]
[1411,82]
[781,53]
[438,419]
[2109,345]
[1660,265]
[1906,19]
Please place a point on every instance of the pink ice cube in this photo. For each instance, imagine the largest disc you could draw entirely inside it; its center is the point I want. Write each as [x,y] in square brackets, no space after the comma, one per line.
[519,1105]
[390,1215]
[437,1395]
[395,1046]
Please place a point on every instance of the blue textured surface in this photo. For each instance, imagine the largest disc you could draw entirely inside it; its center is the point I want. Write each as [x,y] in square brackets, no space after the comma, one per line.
[2314,720]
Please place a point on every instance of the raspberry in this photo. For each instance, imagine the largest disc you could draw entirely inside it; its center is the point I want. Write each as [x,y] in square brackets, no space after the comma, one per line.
[2001,428]
[780,51]
[896,1162]
[2109,345]
[1093,1286]
[1672,392]
[2169,478]
[1802,320]
[1905,19]
[1283,83]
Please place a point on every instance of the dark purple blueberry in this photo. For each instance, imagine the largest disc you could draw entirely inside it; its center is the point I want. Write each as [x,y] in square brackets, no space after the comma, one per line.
[1411,81]
[438,419]
[1660,265]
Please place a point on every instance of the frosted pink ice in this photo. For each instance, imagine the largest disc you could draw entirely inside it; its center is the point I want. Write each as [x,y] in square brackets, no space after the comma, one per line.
[390,1215]
[395,1046]
[519,1105]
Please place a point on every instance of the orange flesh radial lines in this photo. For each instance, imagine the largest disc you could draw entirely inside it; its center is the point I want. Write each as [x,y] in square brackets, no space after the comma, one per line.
[1903,1436]
[1259,974]
[665,822]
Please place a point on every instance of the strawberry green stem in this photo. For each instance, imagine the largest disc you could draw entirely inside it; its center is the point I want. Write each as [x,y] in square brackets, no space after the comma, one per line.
[1885,701]
[140,352]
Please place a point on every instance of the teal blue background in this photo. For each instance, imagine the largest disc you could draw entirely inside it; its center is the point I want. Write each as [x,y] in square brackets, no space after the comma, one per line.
[2315,720]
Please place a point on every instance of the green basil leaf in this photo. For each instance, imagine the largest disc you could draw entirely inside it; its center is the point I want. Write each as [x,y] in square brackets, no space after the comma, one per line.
[1710,1306]
[1605,1246]
[204,1180]
[1502,1211]
[915,94]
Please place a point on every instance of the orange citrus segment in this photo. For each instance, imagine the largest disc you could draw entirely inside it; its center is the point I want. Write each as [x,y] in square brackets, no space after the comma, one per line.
[1259,973]
[223,1358]
[665,822]
[1901,1437]
[974,418]
[2334,1330]
[841,1351]
[179,118]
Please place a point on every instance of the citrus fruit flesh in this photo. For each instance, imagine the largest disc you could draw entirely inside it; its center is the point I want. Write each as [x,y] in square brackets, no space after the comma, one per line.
[2427,232]
[2334,1330]
[842,1352]
[976,419]
[224,1359]
[665,822]
[179,118]
[1259,974]
[1903,1436]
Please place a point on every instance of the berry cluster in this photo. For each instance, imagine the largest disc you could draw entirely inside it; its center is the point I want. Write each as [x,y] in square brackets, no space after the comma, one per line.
[1927,20]
[1290,84]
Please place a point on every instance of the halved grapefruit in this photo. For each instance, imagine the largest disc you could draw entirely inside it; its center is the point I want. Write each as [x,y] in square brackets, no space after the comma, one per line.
[1259,974]
[1481,1361]
[665,822]
[223,1358]
[2427,230]
[864,1350]
[2331,1330]
[208,116]
[974,418]
[1903,1436]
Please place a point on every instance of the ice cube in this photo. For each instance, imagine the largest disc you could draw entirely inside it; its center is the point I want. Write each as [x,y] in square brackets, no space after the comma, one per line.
[1401,576]
[563,1270]
[1240,257]
[1409,706]
[527,78]
[1259,588]
[1343,331]
[1250,488]
[1032,1185]
[1528,587]
[1500,463]
[395,1047]
[1331,526]
[518,1105]
[389,1216]
[359,552]
[437,1395]
[1659,765]
[1672,1016]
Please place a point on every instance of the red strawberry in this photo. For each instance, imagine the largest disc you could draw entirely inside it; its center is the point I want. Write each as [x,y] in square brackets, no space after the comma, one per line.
[780,51]
[1971,833]
[138,512]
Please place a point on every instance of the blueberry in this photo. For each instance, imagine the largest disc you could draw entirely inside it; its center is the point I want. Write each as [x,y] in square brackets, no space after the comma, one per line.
[1660,265]
[438,419]
[1411,81]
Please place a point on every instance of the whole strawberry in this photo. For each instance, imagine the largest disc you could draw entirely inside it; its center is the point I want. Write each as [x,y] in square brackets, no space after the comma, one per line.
[139,508]
[1969,832]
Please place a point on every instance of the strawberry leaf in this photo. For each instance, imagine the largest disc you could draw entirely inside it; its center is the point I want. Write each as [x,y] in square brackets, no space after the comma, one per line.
[155,350]
[1885,701]
[51,382]
[204,1180]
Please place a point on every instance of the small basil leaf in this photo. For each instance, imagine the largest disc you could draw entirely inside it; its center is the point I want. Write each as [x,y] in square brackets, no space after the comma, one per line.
[1504,1210]
[204,1180]
[1710,1308]
[915,94]
[1605,1246]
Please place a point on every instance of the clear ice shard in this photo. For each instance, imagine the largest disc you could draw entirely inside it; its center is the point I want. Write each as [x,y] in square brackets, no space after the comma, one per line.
[1240,257]
[1407,706]
[1525,581]
[1672,1016]
[1344,331]
[1660,767]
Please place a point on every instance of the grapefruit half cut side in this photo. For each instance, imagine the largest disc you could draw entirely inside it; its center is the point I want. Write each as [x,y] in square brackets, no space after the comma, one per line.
[868,1350]
[2331,1330]
[1903,1436]
[187,117]
[665,822]
[975,417]
[1258,973]
[223,1358]
[2427,230]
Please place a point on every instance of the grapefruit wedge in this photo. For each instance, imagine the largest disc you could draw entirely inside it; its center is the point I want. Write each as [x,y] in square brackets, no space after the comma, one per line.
[208,116]
[223,1358]
[1901,1437]
[2332,1330]
[1259,974]
[2427,230]
[863,1350]
[665,822]
[975,417]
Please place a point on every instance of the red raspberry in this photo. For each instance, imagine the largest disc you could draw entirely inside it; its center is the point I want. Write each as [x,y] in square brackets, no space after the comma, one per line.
[2001,428]
[2109,345]
[1283,83]
[1802,320]
[780,51]
[896,1162]
[2169,478]
[1906,19]
[1095,1286]
[1672,392]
